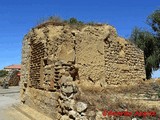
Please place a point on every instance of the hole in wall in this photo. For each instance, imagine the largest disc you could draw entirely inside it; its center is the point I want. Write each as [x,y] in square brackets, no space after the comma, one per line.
[45,62]
[107,42]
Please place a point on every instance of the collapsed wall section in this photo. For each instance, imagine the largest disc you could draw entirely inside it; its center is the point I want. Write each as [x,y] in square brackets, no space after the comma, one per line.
[90,54]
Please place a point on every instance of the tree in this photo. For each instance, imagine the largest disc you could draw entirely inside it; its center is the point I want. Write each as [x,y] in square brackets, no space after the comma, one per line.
[148,43]
[154,21]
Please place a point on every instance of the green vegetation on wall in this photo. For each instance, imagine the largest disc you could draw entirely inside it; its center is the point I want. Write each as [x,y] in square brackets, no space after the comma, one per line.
[57,19]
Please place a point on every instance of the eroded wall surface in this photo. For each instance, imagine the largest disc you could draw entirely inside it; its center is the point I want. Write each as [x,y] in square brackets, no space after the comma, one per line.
[56,58]
[124,62]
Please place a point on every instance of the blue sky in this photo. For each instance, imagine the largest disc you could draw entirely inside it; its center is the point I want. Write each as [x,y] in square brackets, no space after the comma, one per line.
[19,16]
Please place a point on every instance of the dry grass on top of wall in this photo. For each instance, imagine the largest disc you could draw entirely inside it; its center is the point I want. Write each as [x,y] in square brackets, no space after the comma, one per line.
[57,21]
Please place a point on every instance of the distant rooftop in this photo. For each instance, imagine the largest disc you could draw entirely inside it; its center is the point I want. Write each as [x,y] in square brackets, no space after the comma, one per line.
[13,67]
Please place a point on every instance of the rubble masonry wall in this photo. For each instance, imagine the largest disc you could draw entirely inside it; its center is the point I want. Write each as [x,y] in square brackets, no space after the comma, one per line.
[56,58]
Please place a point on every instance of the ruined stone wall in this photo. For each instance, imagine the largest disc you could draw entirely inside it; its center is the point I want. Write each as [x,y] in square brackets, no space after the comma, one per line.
[101,57]
[124,62]
[60,104]
[44,101]
[25,60]
[24,79]
[37,53]
[57,58]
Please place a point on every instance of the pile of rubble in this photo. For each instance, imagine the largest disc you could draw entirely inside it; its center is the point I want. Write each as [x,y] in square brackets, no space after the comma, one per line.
[69,107]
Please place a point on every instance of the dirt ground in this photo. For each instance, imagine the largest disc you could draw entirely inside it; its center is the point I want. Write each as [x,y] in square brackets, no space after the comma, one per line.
[12,109]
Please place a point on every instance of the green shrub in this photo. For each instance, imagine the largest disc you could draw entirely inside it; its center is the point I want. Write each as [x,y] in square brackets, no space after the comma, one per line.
[3,73]
[75,21]
[55,19]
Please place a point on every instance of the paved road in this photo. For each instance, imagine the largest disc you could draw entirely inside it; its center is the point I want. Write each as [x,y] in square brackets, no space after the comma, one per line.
[9,97]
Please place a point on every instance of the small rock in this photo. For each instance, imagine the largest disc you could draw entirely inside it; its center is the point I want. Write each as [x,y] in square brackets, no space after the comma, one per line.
[64,97]
[134,118]
[72,104]
[64,111]
[81,106]
[67,89]
[64,117]
[69,104]
[58,68]
[65,79]
[83,114]
[62,71]
[62,61]
[58,63]
[99,116]
[69,79]
[91,113]
[73,32]
[73,114]
[81,118]
[66,73]
[75,89]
